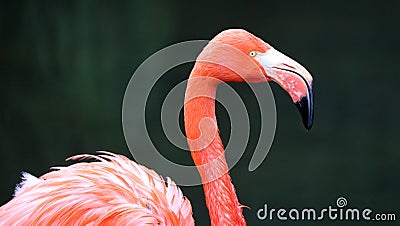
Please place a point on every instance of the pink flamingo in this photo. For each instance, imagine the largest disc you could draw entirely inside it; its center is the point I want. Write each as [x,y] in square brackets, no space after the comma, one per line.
[117,191]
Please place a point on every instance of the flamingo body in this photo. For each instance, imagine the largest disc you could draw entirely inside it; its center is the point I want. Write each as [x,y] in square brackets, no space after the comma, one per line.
[111,191]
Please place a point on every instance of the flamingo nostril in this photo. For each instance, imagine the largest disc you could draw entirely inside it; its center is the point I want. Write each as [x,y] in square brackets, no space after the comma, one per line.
[287,65]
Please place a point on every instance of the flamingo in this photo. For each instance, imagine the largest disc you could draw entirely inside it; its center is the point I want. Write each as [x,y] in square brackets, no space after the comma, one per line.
[114,190]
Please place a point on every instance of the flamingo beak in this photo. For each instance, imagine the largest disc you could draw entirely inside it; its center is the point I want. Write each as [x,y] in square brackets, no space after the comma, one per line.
[293,78]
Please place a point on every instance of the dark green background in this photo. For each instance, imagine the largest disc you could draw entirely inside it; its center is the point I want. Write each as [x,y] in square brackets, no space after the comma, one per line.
[64,69]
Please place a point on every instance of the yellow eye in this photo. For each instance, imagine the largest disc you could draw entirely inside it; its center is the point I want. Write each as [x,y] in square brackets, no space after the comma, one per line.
[253,53]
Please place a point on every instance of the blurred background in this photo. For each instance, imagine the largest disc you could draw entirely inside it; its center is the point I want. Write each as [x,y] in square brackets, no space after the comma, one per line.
[65,66]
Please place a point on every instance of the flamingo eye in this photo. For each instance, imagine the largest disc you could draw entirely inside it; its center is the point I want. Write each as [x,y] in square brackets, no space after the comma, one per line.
[253,53]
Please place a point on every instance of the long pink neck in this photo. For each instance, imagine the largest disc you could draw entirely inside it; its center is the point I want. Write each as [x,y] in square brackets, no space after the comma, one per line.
[208,152]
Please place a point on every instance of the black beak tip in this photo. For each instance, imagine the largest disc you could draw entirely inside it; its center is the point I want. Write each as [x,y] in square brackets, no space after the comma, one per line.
[308,126]
[305,107]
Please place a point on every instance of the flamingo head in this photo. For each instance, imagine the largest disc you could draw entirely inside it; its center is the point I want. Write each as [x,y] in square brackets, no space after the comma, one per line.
[253,60]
